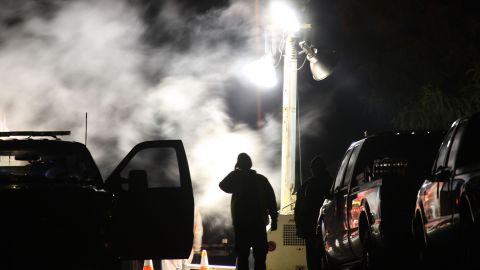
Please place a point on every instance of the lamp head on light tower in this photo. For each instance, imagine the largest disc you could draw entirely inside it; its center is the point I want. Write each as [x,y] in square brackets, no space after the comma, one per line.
[320,69]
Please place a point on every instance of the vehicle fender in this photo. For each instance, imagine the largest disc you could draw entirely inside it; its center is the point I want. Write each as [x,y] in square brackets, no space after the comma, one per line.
[419,210]
[365,218]
[465,201]
[328,262]
[473,190]
[318,229]
[370,219]
[416,231]
[365,208]
[418,200]
[465,204]
[364,224]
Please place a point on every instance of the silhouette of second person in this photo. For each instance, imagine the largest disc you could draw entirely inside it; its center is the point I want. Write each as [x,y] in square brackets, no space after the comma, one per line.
[252,201]
[310,197]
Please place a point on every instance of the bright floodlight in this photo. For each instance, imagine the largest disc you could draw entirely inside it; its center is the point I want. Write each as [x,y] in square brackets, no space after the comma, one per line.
[261,72]
[284,17]
[321,63]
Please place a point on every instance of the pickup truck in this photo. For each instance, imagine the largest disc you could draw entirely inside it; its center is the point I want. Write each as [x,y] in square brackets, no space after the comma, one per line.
[447,212]
[368,213]
[56,210]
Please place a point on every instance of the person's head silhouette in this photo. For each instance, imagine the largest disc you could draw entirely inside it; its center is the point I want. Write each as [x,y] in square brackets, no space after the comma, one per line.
[244,162]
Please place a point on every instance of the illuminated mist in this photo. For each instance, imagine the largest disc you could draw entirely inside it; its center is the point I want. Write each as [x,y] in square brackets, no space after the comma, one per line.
[95,57]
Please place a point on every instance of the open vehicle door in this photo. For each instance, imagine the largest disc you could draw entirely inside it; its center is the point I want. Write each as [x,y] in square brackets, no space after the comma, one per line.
[152,216]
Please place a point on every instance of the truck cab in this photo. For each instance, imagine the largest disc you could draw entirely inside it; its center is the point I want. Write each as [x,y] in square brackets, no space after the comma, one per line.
[448,203]
[55,207]
[373,197]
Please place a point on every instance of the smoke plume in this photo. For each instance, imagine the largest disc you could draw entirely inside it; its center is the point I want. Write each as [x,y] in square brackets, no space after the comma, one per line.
[164,77]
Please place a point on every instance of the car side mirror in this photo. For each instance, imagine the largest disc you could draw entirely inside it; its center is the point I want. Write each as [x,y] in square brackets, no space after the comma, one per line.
[137,181]
[442,174]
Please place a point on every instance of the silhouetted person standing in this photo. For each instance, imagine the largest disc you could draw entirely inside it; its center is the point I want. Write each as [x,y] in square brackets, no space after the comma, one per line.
[253,200]
[310,198]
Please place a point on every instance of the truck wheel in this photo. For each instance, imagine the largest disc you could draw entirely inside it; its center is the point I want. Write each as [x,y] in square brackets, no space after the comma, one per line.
[326,263]
[420,239]
[468,235]
[369,261]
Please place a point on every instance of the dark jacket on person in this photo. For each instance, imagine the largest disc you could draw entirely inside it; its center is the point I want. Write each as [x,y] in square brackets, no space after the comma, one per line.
[310,197]
[253,199]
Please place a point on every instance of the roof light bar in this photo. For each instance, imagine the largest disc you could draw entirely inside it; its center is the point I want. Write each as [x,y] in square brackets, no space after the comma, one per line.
[35,133]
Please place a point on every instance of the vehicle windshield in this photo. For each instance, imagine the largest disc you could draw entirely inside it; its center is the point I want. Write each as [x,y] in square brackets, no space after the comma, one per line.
[50,164]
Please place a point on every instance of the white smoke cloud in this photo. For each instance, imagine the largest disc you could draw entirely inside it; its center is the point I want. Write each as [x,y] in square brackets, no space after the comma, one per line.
[91,56]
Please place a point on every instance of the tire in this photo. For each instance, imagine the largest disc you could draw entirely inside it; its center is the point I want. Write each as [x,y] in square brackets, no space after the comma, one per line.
[367,256]
[326,263]
[420,241]
[369,259]
[468,236]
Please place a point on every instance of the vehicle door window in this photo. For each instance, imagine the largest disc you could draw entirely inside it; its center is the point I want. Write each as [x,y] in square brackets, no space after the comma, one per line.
[456,144]
[341,170]
[152,182]
[443,151]
[470,147]
[351,166]
[158,165]
[363,170]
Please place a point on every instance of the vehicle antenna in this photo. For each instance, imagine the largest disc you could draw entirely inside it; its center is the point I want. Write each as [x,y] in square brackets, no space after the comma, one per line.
[86,127]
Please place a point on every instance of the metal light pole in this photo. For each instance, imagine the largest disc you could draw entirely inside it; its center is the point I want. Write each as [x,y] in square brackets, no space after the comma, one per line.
[320,70]
[289,125]
[289,256]
[284,19]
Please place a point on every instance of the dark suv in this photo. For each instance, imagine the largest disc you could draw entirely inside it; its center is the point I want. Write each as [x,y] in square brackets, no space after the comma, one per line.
[447,214]
[369,212]
[55,208]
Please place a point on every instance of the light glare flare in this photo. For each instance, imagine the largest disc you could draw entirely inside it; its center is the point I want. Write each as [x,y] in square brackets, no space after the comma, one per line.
[284,17]
[261,72]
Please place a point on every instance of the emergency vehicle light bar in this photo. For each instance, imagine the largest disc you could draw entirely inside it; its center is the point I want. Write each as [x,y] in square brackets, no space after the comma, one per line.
[53,134]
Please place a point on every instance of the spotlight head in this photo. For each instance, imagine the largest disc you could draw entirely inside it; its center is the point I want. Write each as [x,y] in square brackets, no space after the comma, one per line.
[321,63]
